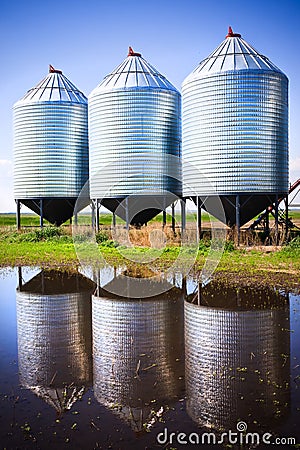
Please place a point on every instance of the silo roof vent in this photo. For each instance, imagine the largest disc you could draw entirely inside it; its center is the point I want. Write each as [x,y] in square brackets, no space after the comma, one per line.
[232,34]
[233,54]
[134,72]
[132,53]
[55,87]
[52,70]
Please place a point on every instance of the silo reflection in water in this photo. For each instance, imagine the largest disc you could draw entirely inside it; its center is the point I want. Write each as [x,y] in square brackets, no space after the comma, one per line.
[237,357]
[54,336]
[138,361]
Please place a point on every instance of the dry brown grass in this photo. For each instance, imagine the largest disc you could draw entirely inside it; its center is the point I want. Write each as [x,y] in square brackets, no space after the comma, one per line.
[147,236]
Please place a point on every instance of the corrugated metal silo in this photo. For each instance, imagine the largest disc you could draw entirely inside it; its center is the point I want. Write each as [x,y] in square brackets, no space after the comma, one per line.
[51,147]
[135,139]
[137,349]
[235,130]
[237,358]
[54,336]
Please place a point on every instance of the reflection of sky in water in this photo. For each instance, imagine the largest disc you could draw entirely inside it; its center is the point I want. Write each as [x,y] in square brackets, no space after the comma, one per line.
[7,309]
[295,349]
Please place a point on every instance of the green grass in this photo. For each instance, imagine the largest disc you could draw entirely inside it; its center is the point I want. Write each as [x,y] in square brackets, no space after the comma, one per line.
[294,214]
[28,220]
[33,220]
[53,247]
[38,253]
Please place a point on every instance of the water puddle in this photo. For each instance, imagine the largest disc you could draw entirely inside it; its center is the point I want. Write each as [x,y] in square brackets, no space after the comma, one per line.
[92,360]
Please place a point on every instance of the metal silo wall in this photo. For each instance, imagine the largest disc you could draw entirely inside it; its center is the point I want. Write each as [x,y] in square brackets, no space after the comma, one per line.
[137,348]
[235,369]
[131,134]
[50,149]
[235,131]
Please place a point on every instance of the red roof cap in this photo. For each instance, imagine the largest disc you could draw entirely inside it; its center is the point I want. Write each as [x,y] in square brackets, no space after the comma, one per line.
[52,70]
[232,34]
[132,53]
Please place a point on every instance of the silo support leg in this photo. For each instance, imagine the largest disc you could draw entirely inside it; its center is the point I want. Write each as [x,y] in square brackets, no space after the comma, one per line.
[276,219]
[199,225]
[43,282]
[267,221]
[286,202]
[127,213]
[18,216]
[20,278]
[76,219]
[93,215]
[98,283]
[41,213]
[183,216]
[237,219]
[164,218]
[114,219]
[173,217]
[97,215]
[199,292]
[184,286]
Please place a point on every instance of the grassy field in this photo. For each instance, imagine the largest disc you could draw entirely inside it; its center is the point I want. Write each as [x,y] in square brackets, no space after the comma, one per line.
[33,220]
[54,247]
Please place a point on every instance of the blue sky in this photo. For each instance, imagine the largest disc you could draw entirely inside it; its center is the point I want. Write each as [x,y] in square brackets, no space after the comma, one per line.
[87,39]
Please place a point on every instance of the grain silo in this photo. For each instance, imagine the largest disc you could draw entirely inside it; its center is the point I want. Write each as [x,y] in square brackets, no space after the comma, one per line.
[135,141]
[137,355]
[235,130]
[54,336]
[50,148]
[237,357]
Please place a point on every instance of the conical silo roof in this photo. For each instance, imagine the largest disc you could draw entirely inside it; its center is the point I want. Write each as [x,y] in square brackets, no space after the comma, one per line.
[234,53]
[134,72]
[55,87]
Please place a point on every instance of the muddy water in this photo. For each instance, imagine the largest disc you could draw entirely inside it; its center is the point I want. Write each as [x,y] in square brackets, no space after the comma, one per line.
[83,368]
